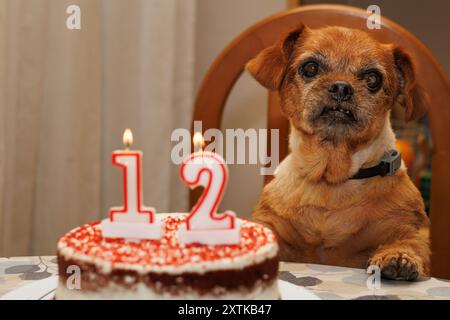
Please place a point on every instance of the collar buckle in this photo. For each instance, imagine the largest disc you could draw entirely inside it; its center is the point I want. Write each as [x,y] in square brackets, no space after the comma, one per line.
[388,166]
[390,163]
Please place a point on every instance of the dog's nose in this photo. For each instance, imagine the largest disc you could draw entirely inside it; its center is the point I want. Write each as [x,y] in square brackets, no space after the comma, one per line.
[340,91]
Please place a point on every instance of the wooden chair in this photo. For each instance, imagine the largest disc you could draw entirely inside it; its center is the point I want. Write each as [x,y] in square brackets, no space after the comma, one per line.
[226,69]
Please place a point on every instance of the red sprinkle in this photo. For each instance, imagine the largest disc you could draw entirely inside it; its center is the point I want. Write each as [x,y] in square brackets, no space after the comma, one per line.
[166,251]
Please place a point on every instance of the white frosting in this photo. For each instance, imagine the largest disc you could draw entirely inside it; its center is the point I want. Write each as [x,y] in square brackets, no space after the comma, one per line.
[263,253]
[266,252]
[142,292]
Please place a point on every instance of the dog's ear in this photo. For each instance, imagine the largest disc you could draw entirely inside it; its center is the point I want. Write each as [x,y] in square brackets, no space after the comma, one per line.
[269,65]
[410,96]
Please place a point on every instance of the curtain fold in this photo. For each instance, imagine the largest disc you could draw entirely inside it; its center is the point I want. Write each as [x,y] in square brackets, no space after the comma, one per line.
[67,95]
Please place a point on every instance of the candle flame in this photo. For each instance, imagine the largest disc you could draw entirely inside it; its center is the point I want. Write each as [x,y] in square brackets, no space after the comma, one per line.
[127,138]
[198,141]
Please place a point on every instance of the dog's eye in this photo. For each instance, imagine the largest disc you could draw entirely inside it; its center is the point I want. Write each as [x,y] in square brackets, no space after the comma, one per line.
[309,69]
[373,80]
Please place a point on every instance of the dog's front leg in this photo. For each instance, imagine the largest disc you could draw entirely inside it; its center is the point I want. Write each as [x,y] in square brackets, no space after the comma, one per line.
[404,259]
[285,232]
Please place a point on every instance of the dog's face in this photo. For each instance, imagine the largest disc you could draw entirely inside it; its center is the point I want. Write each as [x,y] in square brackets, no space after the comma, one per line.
[336,83]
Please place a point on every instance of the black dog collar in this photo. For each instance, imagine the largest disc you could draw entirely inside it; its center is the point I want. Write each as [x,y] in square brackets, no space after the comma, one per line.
[389,164]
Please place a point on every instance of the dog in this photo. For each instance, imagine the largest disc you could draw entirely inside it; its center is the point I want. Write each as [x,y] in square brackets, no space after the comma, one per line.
[337,87]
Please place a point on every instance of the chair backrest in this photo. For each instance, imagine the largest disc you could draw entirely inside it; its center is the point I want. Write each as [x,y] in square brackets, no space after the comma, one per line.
[227,68]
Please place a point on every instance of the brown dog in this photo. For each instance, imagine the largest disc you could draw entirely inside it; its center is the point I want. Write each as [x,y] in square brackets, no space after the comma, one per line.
[337,87]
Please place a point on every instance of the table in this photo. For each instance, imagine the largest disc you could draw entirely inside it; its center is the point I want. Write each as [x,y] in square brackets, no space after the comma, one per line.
[327,282]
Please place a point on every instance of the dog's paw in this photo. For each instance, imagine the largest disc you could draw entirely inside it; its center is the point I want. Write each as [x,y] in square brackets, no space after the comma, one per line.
[397,266]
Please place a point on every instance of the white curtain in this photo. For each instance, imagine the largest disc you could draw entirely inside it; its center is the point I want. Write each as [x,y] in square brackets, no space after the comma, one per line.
[66,97]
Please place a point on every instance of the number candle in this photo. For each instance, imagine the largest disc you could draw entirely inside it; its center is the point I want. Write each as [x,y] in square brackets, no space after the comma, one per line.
[204,224]
[132,220]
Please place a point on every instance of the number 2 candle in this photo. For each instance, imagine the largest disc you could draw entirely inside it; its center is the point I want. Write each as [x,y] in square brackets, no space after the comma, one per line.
[133,220]
[203,224]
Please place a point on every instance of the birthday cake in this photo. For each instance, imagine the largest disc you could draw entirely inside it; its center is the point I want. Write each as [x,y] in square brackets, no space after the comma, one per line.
[165,268]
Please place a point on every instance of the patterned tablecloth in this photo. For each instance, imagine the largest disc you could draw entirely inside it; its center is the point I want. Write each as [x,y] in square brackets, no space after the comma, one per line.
[327,282]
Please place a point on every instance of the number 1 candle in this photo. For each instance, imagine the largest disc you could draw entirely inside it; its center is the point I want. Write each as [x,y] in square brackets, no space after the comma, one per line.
[133,220]
[204,225]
